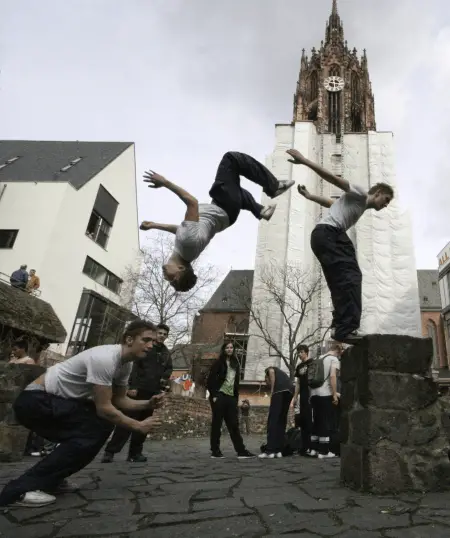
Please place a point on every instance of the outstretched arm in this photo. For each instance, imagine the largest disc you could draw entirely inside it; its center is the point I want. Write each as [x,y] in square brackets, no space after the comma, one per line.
[148,225]
[321,200]
[298,158]
[157,181]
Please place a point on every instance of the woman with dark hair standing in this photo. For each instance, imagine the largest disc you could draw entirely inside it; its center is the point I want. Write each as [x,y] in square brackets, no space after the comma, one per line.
[223,387]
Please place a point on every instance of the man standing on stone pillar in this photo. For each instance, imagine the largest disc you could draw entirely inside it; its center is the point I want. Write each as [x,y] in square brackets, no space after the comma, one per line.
[334,249]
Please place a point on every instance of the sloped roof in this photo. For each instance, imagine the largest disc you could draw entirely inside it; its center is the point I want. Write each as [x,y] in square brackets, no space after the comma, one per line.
[232,293]
[429,295]
[42,161]
[27,313]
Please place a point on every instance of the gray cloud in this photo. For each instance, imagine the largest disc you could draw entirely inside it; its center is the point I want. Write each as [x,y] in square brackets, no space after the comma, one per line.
[188,80]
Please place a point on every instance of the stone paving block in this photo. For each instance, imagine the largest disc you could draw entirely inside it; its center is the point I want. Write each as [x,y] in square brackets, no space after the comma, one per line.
[216,504]
[112,507]
[211,494]
[219,528]
[33,530]
[373,519]
[280,519]
[5,526]
[165,504]
[262,497]
[359,534]
[97,526]
[220,513]
[199,486]
[60,516]
[425,531]
[107,493]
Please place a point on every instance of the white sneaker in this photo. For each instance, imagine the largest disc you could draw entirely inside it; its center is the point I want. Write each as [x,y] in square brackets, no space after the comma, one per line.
[283,186]
[36,454]
[311,453]
[326,456]
[266,455]
[267,212]
[35,499]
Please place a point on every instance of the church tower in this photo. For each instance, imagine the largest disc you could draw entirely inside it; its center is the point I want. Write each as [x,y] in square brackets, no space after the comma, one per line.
[334,125]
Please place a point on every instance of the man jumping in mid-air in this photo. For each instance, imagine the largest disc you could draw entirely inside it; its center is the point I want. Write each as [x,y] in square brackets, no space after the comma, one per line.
[334,249]
[202,222]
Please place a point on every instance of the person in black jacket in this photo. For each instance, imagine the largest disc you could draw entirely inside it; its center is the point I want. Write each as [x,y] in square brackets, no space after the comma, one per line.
[223,387]
[149,377]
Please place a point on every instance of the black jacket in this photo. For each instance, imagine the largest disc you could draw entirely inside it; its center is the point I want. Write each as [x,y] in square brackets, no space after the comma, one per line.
[147,373]
[217,376]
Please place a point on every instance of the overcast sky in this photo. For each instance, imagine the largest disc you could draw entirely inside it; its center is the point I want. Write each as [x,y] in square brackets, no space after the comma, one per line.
[187,80]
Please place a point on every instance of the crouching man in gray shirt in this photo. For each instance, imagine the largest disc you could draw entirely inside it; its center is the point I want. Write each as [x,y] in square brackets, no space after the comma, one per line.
[77,403]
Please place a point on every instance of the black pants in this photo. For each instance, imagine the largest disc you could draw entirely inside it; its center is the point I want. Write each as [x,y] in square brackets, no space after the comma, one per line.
[121,435]
[336,254]
[277,421]
[225,408]
[227,192]
[304,422]
[323,423]
[73,424]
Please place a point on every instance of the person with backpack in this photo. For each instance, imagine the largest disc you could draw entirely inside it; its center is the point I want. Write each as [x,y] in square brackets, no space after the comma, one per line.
[302,400]
[281,391]
[322,380]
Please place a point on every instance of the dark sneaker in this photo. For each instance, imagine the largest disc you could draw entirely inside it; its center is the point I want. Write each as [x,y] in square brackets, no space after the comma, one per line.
[245,455]
[139,458]
[108,457]
[283,186]
[64,487]
[217,454]
[354,337]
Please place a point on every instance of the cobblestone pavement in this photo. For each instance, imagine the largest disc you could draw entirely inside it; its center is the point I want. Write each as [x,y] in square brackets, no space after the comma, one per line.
[182,493]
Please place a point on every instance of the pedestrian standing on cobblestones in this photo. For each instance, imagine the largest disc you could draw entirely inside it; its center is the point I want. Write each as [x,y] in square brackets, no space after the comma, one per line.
[223,387]
[76,403]
[149,376]
[281,393]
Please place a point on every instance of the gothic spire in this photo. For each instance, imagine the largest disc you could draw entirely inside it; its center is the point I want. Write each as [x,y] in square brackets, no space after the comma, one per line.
[334,30]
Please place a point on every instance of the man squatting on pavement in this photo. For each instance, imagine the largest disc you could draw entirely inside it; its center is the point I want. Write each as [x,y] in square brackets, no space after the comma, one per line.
[202,222]
[334,249]
[77,403]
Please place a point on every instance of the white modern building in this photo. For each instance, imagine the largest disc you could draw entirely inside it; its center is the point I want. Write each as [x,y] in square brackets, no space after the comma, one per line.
[69,211]
[334,125]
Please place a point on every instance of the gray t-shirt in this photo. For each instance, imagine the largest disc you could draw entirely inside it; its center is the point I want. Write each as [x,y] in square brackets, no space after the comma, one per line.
[192,238]
[75,377]
[347,210]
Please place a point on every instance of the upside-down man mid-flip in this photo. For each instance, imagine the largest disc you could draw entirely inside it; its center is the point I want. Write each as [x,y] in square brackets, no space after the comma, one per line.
[203,221]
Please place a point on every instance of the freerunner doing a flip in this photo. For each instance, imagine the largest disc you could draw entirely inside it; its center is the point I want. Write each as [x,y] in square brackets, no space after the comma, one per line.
[334,249]
[203,221]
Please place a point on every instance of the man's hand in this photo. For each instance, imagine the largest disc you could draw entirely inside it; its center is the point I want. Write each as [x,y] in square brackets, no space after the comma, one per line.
[157,401]
[156,180]
[214,399]
[150,423]
[335,399]
[147,225]
[132,393]
[303,191]
[297,157]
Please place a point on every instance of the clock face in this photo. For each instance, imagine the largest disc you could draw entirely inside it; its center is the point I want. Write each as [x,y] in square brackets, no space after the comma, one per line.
[334,84]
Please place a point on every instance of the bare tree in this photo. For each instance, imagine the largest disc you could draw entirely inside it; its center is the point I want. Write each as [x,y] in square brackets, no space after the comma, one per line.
[154,299]
[288,295]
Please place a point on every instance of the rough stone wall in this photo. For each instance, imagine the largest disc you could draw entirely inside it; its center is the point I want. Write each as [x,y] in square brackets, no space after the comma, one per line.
[393,437]
[13,437]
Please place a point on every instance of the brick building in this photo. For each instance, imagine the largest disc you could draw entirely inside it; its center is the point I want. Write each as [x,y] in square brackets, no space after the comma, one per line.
[432,321]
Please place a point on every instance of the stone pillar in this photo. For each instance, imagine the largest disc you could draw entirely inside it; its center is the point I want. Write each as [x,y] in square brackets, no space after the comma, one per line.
[392,436]
[13,437]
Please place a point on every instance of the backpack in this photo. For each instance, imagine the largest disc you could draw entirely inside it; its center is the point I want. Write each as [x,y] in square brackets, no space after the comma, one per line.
[292,442]
[316,373]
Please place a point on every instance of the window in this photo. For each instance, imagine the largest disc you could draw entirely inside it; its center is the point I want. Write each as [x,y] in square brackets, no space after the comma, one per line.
[102,217]
[101,275]
[8,238]
[98,229]
[433,334]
